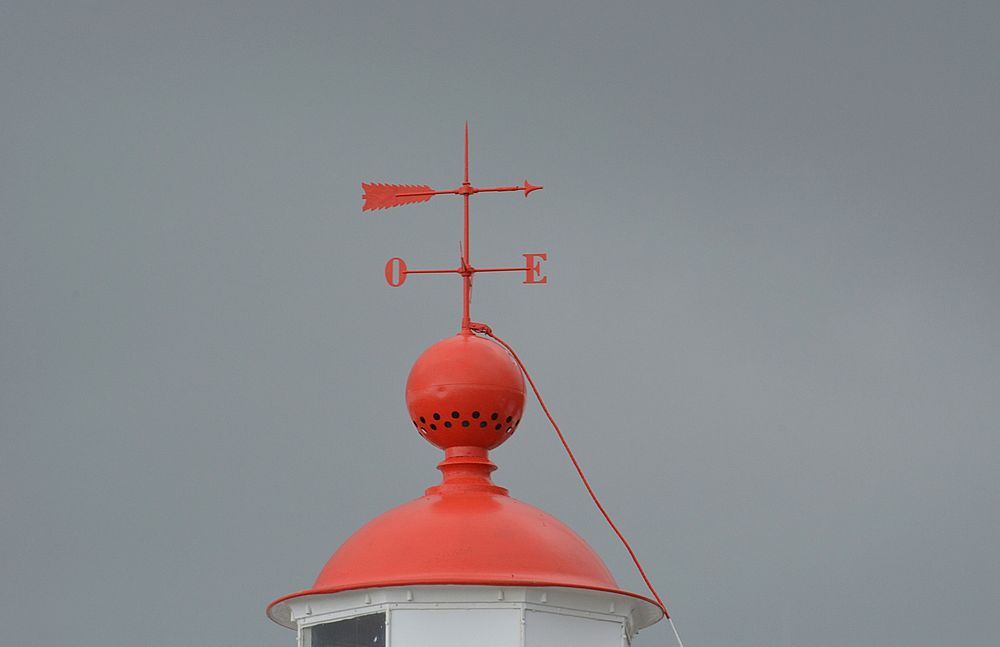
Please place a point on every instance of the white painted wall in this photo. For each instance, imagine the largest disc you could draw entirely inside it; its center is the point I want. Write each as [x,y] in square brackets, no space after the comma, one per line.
[482,616]
[455,628]
[549,629]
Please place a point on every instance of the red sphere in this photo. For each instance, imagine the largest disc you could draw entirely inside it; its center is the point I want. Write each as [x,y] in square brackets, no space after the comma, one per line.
[465,391]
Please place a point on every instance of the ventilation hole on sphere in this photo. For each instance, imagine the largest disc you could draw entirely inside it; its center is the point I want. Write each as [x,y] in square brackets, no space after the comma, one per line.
[510,430]
[423,420]
[447,423]
[498,427]
[494,417]
[482,424]
[454,414]
[475,414]
[437,416]
[423,431]
[433,426]
[415,424]
[465,423]
[509,418]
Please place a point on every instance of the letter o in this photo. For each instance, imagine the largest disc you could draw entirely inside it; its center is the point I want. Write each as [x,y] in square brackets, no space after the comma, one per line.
[395,272]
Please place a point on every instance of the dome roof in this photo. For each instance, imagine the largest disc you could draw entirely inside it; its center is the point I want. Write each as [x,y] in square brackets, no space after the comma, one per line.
[464,531]
[465,538]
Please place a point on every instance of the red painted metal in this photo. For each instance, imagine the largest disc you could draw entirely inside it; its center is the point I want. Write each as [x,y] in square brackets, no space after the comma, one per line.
[465,391]
[384,196]
[395,272]
[533,273]
[466,530]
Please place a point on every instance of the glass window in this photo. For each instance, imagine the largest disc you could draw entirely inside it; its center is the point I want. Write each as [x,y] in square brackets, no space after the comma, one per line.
[362,631]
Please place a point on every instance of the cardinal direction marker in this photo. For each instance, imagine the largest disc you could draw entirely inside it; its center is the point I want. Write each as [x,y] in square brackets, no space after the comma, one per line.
[385,196]
[533,271]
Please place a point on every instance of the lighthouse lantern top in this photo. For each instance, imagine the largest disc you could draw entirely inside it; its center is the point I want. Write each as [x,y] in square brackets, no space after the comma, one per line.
[465,541]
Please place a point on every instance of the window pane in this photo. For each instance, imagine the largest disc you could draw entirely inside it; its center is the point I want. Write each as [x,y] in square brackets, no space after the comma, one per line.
[363,631]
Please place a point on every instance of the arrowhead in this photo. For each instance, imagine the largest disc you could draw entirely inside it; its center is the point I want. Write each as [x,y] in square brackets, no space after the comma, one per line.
[528,188]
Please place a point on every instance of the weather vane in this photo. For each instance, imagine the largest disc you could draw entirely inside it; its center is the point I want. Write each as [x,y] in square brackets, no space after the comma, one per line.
[384,196]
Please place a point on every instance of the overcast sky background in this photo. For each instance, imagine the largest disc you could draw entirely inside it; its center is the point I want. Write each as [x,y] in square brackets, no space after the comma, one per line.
[771,329]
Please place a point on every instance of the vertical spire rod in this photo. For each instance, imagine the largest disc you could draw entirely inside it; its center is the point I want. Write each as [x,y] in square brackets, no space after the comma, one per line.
[466,274]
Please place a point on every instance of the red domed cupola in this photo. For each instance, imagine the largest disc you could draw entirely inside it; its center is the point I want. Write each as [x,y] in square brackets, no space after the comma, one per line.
[465,395]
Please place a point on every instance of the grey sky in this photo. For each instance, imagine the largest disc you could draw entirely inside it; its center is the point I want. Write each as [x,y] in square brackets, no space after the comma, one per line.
[770,329]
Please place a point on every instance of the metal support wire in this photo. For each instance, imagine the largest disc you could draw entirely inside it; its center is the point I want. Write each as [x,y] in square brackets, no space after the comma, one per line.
[483,329]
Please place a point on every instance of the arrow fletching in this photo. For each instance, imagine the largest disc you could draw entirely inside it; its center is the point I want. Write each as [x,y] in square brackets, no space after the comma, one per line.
[385,196]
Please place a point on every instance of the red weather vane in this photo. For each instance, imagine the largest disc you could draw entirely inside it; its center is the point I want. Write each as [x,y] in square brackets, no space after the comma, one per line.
[384,196]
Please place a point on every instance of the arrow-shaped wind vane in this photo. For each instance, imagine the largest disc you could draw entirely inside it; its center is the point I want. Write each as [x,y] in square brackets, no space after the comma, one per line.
[385,196]
[378,195]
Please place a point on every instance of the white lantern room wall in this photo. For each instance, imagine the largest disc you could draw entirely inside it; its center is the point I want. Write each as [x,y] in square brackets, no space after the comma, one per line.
[464,616]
